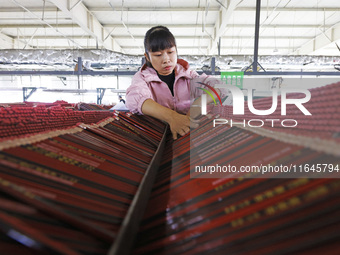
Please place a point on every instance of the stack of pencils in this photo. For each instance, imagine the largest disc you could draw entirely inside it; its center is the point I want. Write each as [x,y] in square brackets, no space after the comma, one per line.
[68,191]
[23,120]
[198,212]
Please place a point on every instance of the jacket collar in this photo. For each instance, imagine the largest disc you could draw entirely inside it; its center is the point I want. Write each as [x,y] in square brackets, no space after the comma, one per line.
[181,70]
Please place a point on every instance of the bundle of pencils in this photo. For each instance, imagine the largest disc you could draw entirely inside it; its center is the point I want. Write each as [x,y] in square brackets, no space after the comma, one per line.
[68,191]
[90,107]
[71,190]
[18,121]
[194,211]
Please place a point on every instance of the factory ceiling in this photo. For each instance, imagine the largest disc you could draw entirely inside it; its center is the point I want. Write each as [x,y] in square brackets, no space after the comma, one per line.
[201,27]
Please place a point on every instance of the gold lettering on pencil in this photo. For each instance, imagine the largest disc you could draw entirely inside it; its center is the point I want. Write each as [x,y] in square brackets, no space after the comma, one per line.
[60,157]
[16,188]
[28,167]
[4,182]
[253,217]
[219,188]
[282,206]
[319,191]
[230,209]
[237,222]
[259,198]
[279,190]
[298,182]
[270,210]
[269,193]
[225,185]
[294,201]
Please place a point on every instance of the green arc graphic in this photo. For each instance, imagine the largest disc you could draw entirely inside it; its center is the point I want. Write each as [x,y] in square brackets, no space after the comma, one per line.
[209,93]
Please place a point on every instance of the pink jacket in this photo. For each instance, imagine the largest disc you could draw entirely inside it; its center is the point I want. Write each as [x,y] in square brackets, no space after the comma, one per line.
[146,84]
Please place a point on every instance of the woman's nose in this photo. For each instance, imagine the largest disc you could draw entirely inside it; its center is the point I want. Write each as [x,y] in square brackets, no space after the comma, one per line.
[166,58]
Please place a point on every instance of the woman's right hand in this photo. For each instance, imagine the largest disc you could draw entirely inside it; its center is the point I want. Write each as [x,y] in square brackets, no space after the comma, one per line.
[180,124]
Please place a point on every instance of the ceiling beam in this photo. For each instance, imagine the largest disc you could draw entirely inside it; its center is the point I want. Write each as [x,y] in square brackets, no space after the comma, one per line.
[226,10]
[151,9]
[323,40]
[36,25]
[55,37]
[8,42]
[89,23]
[109,9]
[288,9]
[141,37]
[32,9]
[170,26]
[188,37]
[178,38]
[225,47]
[177,9]
[108,26]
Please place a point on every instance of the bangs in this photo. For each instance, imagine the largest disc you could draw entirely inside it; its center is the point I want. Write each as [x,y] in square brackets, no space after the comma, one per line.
[161,40]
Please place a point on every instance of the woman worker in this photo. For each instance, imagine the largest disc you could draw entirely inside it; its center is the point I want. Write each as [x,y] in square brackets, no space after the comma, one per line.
[161,88]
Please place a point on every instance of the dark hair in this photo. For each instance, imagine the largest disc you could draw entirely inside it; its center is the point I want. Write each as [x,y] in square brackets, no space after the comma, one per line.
[158,38]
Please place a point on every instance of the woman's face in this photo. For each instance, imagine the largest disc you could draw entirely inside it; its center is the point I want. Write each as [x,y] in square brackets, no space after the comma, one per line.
[164,61]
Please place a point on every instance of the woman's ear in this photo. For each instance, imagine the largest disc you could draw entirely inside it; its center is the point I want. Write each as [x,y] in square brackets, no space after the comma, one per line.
[146,56]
